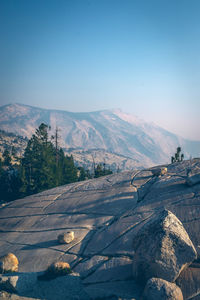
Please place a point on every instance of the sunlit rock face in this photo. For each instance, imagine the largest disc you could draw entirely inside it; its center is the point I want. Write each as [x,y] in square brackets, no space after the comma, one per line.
[106,215]
[162,248]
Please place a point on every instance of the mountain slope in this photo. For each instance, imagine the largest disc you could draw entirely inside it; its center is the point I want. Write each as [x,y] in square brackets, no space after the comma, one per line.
[112,131]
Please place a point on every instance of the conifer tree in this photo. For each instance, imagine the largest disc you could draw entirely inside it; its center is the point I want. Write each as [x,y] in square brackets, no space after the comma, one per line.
[178,157]
[37,165]
[6,158]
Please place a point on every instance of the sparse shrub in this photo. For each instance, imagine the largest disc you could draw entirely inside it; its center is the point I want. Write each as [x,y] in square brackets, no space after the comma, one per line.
[178,156]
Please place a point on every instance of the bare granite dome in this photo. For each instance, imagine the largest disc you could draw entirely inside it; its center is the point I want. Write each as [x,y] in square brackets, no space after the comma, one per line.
[105,215]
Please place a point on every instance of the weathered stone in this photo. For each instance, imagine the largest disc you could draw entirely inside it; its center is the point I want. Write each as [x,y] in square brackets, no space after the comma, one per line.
[9,263]
[8,283]
[193,176]
[20,283]
[189,281]
[157,288]
[162,248]
[56,269]
[66,238]
[159,171]
[88,266]
[117,268]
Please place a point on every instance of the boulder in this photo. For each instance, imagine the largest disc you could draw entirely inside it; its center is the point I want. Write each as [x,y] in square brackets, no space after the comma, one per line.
[8,283]
[9,263]
[66,238]
[162,248]
[157,288]
[193,176]
[159,171]
[56,269]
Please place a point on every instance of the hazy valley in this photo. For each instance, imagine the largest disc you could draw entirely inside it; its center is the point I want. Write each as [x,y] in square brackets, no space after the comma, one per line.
[112,131]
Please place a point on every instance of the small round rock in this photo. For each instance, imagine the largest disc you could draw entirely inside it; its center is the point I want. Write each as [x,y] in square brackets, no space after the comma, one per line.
[9,263]
[159,171]
[66,238]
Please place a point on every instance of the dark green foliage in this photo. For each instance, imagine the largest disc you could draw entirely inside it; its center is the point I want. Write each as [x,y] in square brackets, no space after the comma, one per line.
[43,166]
[178,157]
[37,167]
[10,183]
[82,174]
[6,158]
[101,171]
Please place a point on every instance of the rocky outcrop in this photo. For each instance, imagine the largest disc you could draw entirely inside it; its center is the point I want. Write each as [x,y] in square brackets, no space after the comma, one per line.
[159,171]
[157,288]
[8,263]
[193,176]
[162,248]
[105,217]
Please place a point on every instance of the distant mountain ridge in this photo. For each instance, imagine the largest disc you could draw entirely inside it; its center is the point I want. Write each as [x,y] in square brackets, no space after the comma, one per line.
[110,130]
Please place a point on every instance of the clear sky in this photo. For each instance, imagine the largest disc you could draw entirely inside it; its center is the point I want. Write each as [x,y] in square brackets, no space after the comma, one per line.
[140,56]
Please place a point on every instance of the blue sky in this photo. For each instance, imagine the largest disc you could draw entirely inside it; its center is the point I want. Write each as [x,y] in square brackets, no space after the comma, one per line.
[140,56]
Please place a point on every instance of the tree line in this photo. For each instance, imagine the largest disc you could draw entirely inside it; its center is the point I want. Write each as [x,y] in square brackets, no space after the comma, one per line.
[42,166]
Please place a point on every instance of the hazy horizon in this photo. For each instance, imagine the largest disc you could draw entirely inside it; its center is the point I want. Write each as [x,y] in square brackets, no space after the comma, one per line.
[140,56]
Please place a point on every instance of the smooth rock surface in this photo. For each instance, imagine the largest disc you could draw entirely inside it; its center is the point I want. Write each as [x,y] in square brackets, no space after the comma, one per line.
[189,281]
[64,287]
[193,176]
[105,216]
[20,283]
[157,288]
[162,248]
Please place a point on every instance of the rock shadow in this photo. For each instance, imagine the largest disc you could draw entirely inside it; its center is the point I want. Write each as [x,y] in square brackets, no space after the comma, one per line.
[46,244]
[61,287]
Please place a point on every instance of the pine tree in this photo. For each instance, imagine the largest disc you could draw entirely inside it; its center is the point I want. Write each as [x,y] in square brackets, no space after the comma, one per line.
[7,158]
[101,171]
[82,174]
[178,157]
[69,170]
[38,164]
